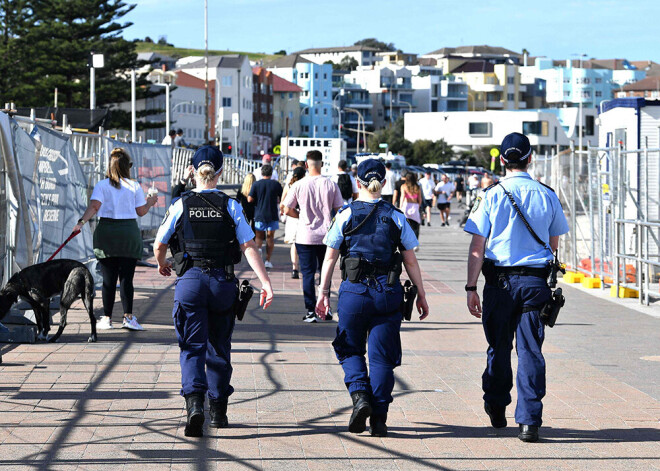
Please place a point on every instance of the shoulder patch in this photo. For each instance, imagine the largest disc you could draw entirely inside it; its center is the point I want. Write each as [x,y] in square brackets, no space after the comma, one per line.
[476,204]
[547,186]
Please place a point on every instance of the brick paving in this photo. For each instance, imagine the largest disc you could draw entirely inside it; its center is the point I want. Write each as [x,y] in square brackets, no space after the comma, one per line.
[115,404]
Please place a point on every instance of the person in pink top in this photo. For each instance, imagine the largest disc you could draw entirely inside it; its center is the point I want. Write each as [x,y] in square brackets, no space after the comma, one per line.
[316,197]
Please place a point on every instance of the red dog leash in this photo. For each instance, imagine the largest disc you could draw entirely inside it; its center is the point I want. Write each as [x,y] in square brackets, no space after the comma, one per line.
[73,234]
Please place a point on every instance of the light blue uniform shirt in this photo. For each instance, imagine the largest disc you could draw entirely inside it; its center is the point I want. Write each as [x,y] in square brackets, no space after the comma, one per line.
[335,235]
[509,241]
[168,226]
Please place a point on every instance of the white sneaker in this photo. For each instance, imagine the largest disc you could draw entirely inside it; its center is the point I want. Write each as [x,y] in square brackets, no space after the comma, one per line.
[267,264]
[131,323]
[104,323]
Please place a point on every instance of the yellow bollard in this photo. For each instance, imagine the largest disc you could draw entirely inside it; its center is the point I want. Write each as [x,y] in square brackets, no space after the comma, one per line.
[624,292]
[573,277]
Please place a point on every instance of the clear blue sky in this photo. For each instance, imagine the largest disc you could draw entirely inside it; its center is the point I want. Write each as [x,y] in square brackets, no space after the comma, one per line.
[598,28]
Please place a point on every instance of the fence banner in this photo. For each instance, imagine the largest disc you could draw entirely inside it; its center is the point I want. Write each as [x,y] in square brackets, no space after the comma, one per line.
[152,166]
[63,196]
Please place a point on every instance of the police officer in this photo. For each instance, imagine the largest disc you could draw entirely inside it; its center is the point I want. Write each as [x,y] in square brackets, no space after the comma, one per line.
[516,267]
[373,237]
[206,232]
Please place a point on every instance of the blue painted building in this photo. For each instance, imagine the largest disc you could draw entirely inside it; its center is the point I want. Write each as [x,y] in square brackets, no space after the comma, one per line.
[318,115]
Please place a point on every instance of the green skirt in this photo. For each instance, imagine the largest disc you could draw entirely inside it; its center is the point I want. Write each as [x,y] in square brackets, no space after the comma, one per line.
[117,238]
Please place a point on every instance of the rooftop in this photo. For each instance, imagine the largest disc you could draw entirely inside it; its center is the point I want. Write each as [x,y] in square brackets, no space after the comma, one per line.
[474,66]
[482,50]
[287,61]
[649,83]
[282,85]
[231,61]
[330,50]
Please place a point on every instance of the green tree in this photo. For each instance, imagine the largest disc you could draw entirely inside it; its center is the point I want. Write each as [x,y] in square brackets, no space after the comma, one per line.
[16,49]
[63,35]
[281,52]
[375,43]
[348,63]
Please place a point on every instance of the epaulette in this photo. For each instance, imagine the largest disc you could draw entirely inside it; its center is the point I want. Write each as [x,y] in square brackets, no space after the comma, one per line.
[547,186]
[491,186]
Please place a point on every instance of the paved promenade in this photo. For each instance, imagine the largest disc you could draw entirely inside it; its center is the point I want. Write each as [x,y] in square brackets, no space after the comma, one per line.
[115,405]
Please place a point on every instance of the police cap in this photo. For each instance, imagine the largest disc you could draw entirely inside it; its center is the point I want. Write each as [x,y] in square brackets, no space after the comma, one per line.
[210,155]
[515,147]
[370,169]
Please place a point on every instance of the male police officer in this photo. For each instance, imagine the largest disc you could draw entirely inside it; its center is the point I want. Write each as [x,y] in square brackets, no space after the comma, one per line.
[206,231]
[515,268]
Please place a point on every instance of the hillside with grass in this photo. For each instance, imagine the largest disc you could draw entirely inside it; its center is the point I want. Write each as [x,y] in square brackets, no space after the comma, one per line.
[178,52]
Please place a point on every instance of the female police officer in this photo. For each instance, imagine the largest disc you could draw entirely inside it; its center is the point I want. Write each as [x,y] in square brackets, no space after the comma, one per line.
[370,234]
[206,231]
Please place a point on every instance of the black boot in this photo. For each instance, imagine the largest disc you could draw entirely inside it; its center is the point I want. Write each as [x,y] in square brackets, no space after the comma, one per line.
[528,433]
[195,420]
[377,425]
[361,410]
[497,415]
[218,413]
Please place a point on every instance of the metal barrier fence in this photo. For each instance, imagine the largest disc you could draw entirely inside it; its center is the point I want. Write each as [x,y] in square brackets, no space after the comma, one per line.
[611,198]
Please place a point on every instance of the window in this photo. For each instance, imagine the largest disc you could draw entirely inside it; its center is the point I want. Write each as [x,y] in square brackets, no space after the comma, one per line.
[567,93]
[598,80]
[325,76]
[586,80]
[511,96]
[316,93]
[325,128]
[316,111]
[589,127]
[536,128]
[480,129]
[282,96]
[316,76]
[290,95]
[599,93]
[567,80]
[325,93]
[226,102]
[226,81]
[325,111]
[290,114]
[511,80]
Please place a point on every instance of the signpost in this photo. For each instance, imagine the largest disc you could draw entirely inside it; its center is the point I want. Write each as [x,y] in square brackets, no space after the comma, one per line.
[494,154]
[234,122]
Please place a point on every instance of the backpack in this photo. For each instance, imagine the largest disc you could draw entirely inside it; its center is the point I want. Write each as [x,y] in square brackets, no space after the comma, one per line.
[345,185]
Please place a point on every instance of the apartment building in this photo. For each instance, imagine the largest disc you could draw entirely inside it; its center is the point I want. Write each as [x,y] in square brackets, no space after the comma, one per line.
[232,75]
[492,86]
[315,80]
[469,130]
[262,112]
[645,88]
[390,91]
[286,108]
[364,55]
[396,58]
[434,91]
[572,82]
[449,58]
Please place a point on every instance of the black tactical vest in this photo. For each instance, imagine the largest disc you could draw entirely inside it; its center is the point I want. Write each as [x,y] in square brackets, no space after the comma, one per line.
[205,234]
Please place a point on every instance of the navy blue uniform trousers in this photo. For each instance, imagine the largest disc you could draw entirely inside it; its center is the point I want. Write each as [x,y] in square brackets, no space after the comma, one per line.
[204,325]
[503,317]
[369,313]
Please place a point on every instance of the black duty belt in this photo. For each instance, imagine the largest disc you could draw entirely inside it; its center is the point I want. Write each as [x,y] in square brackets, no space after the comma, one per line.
[208,264]
[522,271]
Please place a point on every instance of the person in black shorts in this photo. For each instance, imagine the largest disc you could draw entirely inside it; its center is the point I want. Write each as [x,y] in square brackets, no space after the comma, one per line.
[459,182]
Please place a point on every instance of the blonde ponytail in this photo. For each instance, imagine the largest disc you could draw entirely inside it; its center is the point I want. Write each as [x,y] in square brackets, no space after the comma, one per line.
[374,186]
[205,174]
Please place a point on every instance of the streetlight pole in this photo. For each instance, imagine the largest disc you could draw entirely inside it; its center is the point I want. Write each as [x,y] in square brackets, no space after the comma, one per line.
[133,108]
[581,96]
[206,72]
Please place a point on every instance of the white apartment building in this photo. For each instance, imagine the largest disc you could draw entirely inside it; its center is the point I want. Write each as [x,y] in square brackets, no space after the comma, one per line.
[232,75]
[467,130]
[434,91]
[365,56]
[390,90]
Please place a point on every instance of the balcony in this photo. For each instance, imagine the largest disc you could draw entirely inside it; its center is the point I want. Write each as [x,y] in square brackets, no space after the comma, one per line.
[487,87]
[354,103]
[494,105]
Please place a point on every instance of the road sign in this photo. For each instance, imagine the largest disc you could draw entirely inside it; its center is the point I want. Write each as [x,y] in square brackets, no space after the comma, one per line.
[277,150]
[234,120]
[383,145]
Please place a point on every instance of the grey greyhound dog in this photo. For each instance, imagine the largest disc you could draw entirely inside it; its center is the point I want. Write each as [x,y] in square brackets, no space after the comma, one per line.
[38,283]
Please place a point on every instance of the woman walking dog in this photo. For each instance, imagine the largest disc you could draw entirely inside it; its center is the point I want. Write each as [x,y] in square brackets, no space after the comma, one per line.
[119,201]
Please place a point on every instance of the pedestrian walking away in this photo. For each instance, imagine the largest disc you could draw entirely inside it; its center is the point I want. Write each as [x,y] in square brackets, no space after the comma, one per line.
[516,268]
[387,192]
[459,184]
[346,182]
[242,198]
[266,194]
[445,191]
[396,197]
[411,201]
[427,184]
[291,224]
[207,233]
[373,238]
[316,196]
[118,201]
